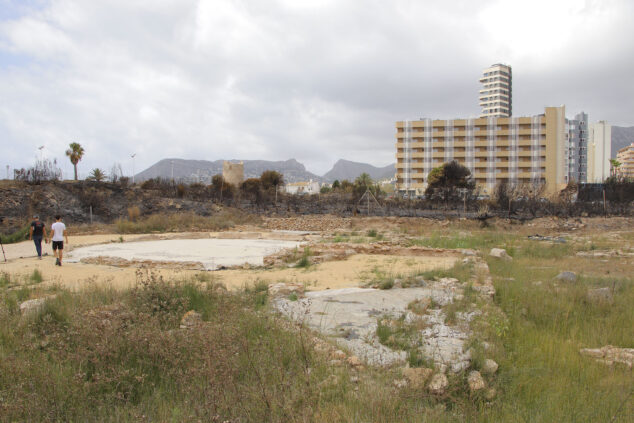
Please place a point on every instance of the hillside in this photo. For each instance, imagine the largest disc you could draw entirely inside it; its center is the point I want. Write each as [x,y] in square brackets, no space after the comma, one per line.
[203,170]
[621,137]
[345,169]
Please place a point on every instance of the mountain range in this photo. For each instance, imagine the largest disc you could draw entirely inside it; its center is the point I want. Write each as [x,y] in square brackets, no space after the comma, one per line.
[621,136]
[293,171]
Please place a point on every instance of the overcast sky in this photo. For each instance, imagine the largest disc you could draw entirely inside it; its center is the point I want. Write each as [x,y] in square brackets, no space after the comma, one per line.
[315,80]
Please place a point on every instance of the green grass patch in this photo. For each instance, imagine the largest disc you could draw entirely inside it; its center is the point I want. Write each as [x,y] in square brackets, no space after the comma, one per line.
[36,276]
[20,235]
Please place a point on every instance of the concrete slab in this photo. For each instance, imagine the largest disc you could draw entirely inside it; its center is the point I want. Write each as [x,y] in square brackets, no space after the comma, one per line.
[350,315]
[211,253]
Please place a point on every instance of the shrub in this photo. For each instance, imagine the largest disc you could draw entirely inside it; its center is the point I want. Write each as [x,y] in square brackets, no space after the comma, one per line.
[133,213]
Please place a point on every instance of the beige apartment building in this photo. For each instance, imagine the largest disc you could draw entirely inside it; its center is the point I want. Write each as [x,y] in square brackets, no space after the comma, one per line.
[519,150]
[496,95]
[625,156]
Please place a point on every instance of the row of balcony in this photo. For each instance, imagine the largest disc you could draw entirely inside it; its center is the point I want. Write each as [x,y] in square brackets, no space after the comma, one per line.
[480,176]
[476,144]
[439,123]
[460,133]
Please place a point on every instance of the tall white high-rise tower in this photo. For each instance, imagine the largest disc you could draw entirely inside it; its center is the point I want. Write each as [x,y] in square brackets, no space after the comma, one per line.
[496,99]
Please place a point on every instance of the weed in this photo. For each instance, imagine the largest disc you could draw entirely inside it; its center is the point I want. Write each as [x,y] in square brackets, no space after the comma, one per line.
[372,233]
[36,276]
[292,296]
[5,279]
[386,284]
[304,261]
[20,235]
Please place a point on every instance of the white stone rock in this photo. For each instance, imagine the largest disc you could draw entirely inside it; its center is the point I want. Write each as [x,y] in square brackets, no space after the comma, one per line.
[475,381]
[500,253]
[490,366]
[438,384]
[567,276]
[34,305]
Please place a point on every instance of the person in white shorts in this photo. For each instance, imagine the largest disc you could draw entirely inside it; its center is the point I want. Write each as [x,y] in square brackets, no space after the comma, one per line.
[58,232]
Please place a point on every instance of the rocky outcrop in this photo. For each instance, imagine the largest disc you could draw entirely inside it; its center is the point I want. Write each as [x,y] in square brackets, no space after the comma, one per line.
[610,355]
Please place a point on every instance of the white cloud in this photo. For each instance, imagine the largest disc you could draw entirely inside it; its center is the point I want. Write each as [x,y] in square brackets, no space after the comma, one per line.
[313,80]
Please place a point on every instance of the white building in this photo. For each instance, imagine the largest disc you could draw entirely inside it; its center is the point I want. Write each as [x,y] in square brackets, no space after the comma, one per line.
[496,95]
[301,188]
[599,152]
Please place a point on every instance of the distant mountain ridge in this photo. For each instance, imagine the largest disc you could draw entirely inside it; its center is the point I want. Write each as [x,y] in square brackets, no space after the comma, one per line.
[621,137]
[346,169]
[203,170]
[293,171]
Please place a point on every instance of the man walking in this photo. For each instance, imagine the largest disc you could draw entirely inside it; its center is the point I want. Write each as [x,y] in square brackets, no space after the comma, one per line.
[37,231]
[58,230]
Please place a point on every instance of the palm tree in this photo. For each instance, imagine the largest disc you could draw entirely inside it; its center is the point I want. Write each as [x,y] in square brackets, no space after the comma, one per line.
[614,167]
[75,153]
[97,175]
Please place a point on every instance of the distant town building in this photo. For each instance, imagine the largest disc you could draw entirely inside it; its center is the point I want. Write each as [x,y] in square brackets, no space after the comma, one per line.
[309,187]
[599,152]
[625,156]
[496,95]
[233,173]
[517,150]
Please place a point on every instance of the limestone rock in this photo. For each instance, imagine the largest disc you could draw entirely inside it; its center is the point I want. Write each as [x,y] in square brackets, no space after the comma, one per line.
[610,355]
[500,253]
[475,381]
[490,366]
[490,394]
[600,295]
[34,305]
[438,384]
[417,376]
[567,276]
[354,361]
[191,319]
[284,289]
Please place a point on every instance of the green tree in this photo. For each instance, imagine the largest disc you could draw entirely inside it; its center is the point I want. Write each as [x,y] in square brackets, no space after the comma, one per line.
[448,182]
[614,167]
[75,154]
[97,175]
[363,180]
[336,184]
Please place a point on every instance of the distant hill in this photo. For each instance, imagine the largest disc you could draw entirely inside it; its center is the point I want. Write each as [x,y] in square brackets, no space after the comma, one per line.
[621,137]
[345,169]
[203,170]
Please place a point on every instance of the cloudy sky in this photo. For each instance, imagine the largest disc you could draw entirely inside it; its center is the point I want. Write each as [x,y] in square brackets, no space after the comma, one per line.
[315,80]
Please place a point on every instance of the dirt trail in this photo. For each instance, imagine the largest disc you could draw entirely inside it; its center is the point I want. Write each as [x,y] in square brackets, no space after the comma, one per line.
[357,269]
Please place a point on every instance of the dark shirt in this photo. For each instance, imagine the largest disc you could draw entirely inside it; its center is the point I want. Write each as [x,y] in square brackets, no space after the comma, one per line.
[38,228]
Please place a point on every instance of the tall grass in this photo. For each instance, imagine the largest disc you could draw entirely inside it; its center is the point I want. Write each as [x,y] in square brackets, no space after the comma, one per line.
[544,376]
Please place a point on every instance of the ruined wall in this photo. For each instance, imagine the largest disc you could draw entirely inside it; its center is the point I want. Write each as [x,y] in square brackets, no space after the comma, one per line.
[233,172]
